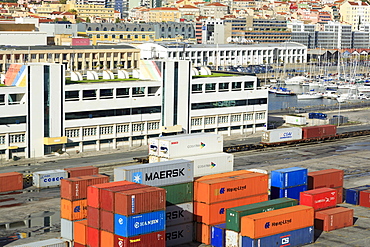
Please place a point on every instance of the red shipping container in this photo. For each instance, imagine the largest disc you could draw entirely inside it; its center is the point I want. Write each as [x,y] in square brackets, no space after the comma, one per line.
[139,201]
[93,192]
[11,181]
[333,218]
[82,171]
[365,198]
[107,195]
[78,245]
[322,198]
[154,239]
[93,217]
[339,194]
[93,237]
[106,221]
[319,131]
[329,178]
[76,188]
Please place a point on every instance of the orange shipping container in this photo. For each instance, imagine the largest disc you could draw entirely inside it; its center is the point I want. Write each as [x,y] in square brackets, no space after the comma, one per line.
[106,239]
[277,221]
[11,181]
[73,210]
[230,188]
[203,233]
[80,231]
[216,212]
[221,175]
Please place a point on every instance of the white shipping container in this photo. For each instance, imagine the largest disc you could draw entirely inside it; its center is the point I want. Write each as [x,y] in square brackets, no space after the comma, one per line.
[212,163]
[298,120]
[54,242]
[153,146]
[282,135]
[66,229]
[179,214]
[49,178]
[179,234]
[153,159]
[232,239]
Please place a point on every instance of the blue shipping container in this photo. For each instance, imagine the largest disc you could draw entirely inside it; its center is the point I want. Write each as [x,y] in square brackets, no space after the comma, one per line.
[353,194]
[128,226]
[292,192]
[293,238]
[289,177]
[218,235]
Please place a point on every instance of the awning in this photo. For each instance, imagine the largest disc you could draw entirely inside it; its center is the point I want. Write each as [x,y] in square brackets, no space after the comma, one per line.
[55,140]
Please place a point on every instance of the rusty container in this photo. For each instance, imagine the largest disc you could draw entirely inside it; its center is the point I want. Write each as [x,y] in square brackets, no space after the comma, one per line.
[329,178]
[365,198]
[82,171]
[319,199]
[80,231]
[106,221]
[73,210]
[11,181]
[333,218]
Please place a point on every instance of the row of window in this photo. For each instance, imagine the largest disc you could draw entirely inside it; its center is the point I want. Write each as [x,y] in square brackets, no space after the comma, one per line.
[106,36]
[228,103]
[13,138]
[222,86]
[225,119]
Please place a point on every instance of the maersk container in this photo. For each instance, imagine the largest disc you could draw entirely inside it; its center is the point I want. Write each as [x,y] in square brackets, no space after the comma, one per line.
[54,242]
[218,235]
[128,226]
[289,177]
[179,193]
[188,145]
[292,192]
[157,174]
[233,215]
[282,135]
[179,214]
[179,234]
[353,194]
[153,144]
[49,178]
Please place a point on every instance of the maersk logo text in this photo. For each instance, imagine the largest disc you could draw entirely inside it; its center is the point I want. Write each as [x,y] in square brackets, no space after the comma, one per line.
[165,174]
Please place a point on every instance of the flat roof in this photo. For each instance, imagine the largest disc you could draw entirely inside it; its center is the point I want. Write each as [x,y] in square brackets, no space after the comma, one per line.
[61,47]
[268,45]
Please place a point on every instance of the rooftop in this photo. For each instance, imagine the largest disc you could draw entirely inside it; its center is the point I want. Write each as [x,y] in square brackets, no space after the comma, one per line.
[56,47]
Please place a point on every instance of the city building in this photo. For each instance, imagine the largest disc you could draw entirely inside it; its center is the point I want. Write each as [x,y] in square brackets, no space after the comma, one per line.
[355,13]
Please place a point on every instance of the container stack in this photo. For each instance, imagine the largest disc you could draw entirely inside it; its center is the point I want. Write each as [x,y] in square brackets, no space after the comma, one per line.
[353,195]
[288,182]
[11,181]
[329,178]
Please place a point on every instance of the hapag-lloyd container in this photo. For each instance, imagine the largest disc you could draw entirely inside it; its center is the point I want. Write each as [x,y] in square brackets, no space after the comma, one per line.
[157,174]
[353,194]
[216,213]
[179,234]
[49,178]
[365,198]
[319,198]
[128,226]
[73,210]
[179,193]
[218,235]
[179,214]
[292,192]
[54,242]
[154,239]
[222,175]
[329,178]
[333,218]
[289,177]
[82,171]
[153,145]
[188,145]
[234,215]
[277,221]
[229,188]
[281,135]
[11,181]
[80,231]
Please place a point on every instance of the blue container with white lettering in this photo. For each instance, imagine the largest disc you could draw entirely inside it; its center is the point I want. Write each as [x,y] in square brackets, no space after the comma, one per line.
[289,177]
[353,194]
[292,192]
[128,226]
[218,235]
[292,238]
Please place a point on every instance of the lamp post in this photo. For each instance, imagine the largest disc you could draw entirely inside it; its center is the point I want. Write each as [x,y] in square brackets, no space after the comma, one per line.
[339,113]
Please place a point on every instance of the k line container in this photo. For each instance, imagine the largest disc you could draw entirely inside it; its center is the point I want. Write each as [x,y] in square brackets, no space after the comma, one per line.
[179,214]
[234,215]
[365,198]
[54,242]
[66,229]
[51,178]
[153,145]
[106,221]
[215,213]
[218,235]
[282,135]
[333,218]
[320,131]
[179,234]
[73,210]
[128,226]
[93,237]
[82,171]
[289,177]
[157,174]
[229,188]
[179,193]
[11,181]
[106,239]
[330,178]
[154,239]
[80,231]
[353,194]
[322,198]
[277,221]
[292,192]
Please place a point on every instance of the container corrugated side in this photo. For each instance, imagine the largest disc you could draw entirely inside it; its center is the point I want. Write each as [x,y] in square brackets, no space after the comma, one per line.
[66,229]
[106,239]
[218,235]
[365,198]
[93,237]
[333,218]
[179,234]
[80,231]
[221,175]
[179,193]
[319,198]
[73,210]
[94,217]
[106,220]
[11,181]
[154,239]
[289,177]
[353,194]
[82,171]
[49,178]
[292,192]
[330,178]
[179,214]
[157,174]
[54,242]
[282,135]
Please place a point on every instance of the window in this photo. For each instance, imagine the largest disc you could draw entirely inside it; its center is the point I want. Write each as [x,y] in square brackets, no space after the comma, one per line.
[153,126]
[210,87]
[248,117]
[73,133]
[223,119]
[138,127]
[138,91]
[260,115]
[89,94]
[2,140]
[123,128]
[89,131]
[17,138]
[105,130]
[236,118]
[2,99]
[223,86]
[106,93]
[236,86]
[72,95]
[196,88]
[123,92]
[196,121]
[209,120]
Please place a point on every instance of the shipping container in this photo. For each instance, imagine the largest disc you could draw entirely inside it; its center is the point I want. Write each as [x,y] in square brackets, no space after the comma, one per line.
[298,237]
[277,221]
[51,178]
[179,193]
[81,171]
[218,235]
[153,145]
[179,214]
[215,213]
[76,188]
[221,175]
[93,237]
[281,135]
[154,239]
[106,221]
[329,178]
[295,119]
[66,229]
[73,210]
[54,242]
[333,218]
[179,234]
[233,215]
[11,181]
[339,194]
[289,177]
[128,226]
[365,198]
[321,131]
[172,147]
[78,245]
[80,232]
[106,239]
[353,194]
[319,199]
[292,192]
[203,232]
[137,201]
[157,174]
[230,188]
[94,217]
[154,159]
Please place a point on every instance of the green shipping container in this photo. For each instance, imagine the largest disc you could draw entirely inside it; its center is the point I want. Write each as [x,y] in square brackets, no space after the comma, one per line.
[178,193]
[234,215]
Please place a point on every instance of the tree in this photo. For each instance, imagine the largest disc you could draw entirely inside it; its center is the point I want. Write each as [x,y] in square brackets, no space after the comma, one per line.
[118,20]
[88,20]
[64,18]
[62,1]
